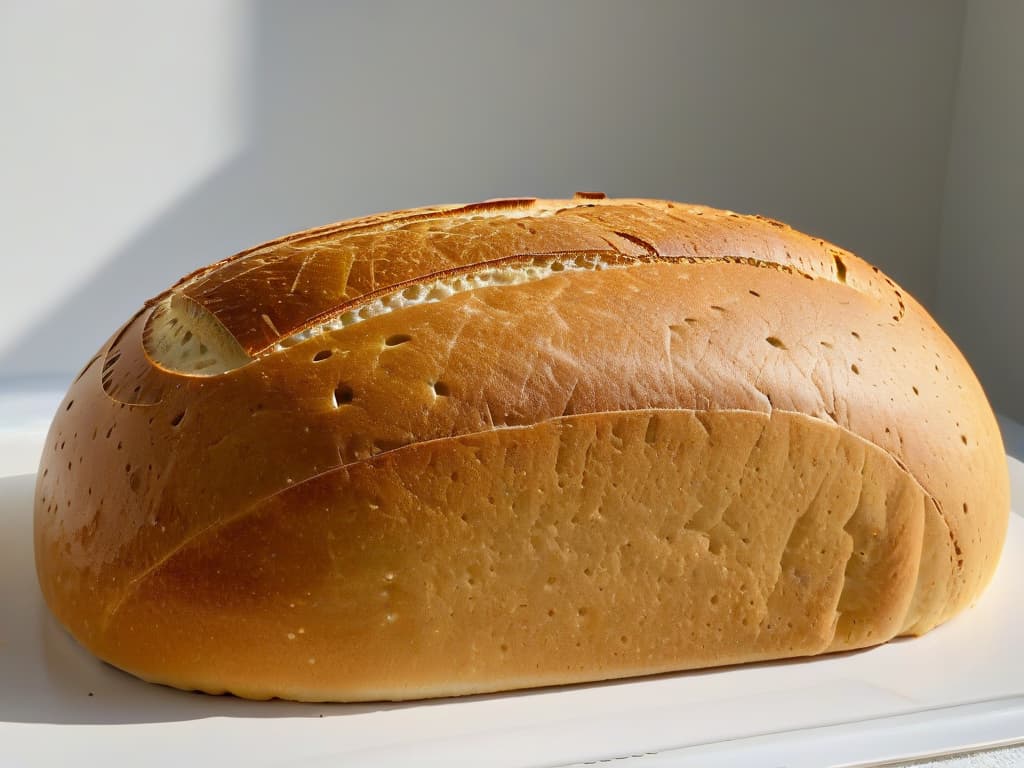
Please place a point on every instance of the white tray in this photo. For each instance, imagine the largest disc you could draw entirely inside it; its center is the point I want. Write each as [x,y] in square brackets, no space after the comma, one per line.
[958,687]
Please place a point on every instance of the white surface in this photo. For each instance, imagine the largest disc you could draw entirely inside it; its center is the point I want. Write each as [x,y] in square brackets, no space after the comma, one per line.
[959,686]
[941,733]
[143,140]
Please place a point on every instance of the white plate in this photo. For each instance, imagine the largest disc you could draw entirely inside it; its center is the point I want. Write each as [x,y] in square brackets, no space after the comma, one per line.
[959,686]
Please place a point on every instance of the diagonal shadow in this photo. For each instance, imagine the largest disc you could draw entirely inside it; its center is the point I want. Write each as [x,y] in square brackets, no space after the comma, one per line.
[196,230]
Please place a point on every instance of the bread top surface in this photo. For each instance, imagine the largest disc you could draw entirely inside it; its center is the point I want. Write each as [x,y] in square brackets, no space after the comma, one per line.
[662,306]
[274,290]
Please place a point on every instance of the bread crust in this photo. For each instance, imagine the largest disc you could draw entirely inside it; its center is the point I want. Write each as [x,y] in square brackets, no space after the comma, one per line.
[187,527]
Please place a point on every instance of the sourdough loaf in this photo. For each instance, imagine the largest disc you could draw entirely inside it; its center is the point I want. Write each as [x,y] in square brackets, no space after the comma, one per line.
[512,444]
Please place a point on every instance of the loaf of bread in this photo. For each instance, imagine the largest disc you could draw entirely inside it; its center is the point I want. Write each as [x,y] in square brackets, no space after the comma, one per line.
[512,444]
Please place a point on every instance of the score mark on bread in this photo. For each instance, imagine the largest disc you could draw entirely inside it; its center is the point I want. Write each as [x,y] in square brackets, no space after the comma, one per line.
[183,337]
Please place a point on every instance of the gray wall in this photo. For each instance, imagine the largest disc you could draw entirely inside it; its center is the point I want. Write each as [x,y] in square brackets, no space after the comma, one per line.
[164,137]
[981,272]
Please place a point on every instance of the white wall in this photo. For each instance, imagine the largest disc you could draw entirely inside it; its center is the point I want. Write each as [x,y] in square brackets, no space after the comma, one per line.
[980,284]
[143,140]
[108,124]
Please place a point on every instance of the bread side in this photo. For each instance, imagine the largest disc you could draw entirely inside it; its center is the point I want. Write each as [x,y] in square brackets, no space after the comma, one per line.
[163,465]
[565,551]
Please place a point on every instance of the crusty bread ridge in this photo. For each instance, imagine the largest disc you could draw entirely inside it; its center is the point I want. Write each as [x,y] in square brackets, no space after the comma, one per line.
[517,443]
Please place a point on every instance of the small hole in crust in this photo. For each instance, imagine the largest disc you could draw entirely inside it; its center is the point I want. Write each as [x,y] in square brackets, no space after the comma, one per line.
[396,339]
[840,269]
[963,439]
[323,354]
[855,369]
[441,389]
[176,421]
[775,341]
[342,395]
[915,391]
[754,293]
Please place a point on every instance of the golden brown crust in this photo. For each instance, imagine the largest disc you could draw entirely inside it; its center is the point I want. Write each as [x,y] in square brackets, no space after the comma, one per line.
[709,317]
[581,554]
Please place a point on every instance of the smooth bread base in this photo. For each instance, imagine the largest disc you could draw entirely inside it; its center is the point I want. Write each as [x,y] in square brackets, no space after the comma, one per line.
[582,548]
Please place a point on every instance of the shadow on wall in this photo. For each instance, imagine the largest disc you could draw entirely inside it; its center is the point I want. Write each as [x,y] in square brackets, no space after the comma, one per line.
[363,107]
